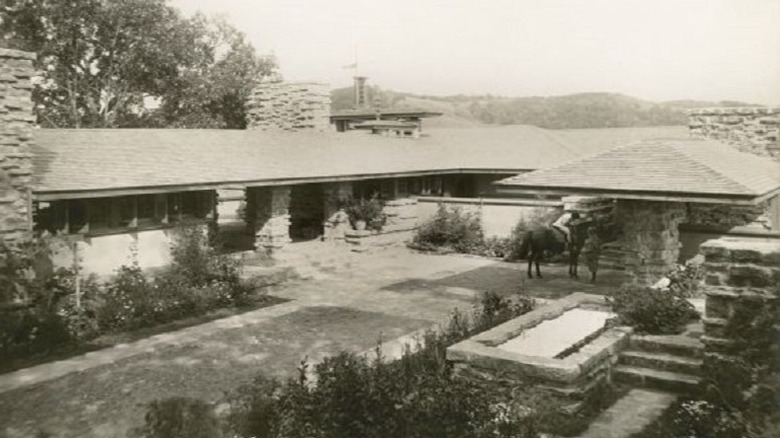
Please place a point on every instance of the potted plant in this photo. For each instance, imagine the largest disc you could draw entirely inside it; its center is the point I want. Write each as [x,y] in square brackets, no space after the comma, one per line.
[365,213]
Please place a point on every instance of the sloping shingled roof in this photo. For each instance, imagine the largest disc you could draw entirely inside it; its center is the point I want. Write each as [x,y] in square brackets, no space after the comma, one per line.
[103,160]
[673,167]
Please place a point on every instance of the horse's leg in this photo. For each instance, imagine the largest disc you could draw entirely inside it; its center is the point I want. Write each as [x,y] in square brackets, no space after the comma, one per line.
[538,272]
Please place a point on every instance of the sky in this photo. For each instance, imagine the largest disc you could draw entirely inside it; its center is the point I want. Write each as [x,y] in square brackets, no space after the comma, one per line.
[652,49]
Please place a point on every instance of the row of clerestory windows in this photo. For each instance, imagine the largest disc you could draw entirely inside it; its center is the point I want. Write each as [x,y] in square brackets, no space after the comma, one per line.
[106,215]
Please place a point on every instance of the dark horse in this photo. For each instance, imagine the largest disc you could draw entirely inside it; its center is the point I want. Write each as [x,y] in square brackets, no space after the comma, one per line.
[546,239]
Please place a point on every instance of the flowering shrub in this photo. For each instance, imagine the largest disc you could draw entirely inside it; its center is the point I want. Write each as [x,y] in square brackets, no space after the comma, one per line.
[685,280]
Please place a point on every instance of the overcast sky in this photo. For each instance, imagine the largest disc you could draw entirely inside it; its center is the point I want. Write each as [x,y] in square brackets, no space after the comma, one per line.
[651,49]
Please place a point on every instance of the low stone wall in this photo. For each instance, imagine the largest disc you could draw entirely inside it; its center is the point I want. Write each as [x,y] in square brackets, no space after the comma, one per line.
[398,229]
[753,130]
[289,106]
[16,126]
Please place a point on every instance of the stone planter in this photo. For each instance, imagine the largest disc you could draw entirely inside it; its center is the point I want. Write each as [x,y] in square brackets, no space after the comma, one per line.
[360,225]
[585,367]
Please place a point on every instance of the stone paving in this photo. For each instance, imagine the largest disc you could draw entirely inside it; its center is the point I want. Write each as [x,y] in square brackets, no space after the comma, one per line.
[393,294]
[629,415]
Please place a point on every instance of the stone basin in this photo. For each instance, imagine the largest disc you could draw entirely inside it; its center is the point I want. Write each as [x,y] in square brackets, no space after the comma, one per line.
[563,345]
[553,336]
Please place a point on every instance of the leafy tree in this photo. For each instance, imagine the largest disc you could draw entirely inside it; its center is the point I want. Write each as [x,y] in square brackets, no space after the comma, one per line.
[100,58]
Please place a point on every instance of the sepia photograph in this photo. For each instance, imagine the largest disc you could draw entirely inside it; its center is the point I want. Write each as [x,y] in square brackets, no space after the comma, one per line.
[389,219]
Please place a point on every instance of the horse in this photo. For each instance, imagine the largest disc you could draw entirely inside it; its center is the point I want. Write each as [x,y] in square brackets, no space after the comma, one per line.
[545,238]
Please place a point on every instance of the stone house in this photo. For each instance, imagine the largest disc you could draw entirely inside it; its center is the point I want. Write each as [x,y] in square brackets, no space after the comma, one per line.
[112,193]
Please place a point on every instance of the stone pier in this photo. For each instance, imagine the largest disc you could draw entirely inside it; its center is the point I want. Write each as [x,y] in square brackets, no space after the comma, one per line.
[742,311]
[268,213]
[650,237]
[16,125]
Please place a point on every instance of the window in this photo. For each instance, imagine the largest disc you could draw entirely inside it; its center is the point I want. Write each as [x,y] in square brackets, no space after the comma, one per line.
[122,213]
[100,214]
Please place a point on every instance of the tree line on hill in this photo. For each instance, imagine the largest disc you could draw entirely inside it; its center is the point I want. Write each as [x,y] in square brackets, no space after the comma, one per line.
[582,110]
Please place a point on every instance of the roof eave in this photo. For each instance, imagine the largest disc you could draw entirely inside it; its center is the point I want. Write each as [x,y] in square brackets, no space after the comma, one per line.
[509,188]
[52,195]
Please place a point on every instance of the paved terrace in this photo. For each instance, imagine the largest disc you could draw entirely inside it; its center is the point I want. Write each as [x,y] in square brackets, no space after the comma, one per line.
[386,295]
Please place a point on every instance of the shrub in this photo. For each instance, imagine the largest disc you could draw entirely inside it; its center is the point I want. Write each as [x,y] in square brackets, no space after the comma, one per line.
[179,417]
[348,395]
[652,311]
[452,228]
[369,211]
[685,280]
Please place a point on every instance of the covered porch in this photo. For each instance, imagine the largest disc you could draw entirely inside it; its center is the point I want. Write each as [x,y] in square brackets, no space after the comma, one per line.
[659,185]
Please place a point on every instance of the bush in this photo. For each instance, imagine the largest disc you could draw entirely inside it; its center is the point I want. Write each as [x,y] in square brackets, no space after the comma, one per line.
[685,280]
[454,229]
[652,311]
[369,211]
[348,395]
[179,417]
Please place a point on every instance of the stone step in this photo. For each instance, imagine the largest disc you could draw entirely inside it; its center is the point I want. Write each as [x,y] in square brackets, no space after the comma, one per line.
[661,362]
[677,345]
[663,380]
[630,414]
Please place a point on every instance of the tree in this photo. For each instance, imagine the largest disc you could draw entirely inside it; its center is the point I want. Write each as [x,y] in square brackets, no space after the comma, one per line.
[100,59]
[213,95]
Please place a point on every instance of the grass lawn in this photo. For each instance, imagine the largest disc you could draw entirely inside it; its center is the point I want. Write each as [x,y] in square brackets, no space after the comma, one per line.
[110,399]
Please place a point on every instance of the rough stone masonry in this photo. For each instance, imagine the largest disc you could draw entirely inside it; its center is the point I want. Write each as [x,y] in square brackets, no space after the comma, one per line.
[289,107]
[752,130]
[16,126]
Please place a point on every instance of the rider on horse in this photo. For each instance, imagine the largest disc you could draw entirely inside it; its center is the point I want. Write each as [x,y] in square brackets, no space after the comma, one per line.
[564,222]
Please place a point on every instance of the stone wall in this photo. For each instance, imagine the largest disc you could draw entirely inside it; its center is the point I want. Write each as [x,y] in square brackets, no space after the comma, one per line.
[399,228]
[753,130]
[650,237]
[16,125]
[290,107]
[724,217]
[742,311]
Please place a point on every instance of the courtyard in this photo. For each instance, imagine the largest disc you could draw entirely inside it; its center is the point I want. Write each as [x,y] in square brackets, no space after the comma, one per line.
[388,296]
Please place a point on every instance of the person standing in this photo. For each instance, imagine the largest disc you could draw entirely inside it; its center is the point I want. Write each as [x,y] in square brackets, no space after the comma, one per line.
[592,250]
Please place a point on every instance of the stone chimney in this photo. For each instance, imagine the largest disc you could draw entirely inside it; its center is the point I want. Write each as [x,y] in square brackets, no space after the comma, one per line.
[753,130]
[289,107]
[361,93]
[16,126]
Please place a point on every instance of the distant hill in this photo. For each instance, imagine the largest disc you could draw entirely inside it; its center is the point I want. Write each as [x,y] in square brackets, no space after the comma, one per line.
[583,110]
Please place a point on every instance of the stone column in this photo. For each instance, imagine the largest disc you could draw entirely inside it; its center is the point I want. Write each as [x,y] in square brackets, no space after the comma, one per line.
[336,221]
[650,237]
[742,312]
[16,127]
[270,217]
